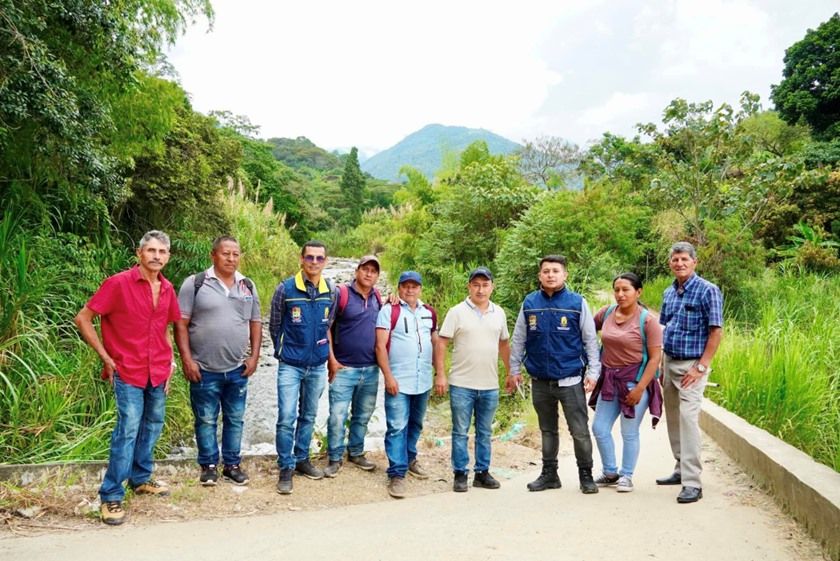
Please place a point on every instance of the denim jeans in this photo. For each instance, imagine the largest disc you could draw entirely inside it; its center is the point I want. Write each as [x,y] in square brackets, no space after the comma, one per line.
[606,412]
[404,420]
[140,414]
[545,395]
[354,389]
[298,390]
[465,402]
[219,390]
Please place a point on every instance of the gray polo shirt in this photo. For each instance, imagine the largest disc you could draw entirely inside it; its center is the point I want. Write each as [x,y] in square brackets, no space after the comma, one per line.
[220,331]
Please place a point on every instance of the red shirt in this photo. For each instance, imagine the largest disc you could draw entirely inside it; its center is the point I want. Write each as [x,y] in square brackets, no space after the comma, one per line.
[134,331]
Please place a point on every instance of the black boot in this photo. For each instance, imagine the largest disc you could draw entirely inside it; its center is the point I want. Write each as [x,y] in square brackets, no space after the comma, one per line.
[548,479]
[587,484]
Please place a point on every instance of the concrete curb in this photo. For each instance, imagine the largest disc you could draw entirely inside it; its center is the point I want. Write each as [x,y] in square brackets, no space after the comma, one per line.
[809,491]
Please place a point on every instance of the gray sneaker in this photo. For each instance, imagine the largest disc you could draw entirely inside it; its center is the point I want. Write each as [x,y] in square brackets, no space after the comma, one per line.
[625,485]
[415,470]
[361,462]
[606,479]
[396,487]
[332,468]
[307,469]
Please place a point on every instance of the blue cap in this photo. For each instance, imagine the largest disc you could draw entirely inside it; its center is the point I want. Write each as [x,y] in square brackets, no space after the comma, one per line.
[481,272]
[410,276]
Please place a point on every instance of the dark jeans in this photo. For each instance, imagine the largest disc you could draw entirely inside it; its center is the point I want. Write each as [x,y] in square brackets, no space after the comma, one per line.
[546,394]
[225,391]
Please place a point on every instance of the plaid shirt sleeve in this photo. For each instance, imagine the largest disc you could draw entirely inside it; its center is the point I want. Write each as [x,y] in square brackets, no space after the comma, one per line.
[713,304]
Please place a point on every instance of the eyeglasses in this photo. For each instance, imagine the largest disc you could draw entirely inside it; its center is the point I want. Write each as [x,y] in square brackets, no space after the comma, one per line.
[314,258]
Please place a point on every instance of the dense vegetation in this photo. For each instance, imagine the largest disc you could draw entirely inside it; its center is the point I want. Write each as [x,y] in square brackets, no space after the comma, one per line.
[97,145]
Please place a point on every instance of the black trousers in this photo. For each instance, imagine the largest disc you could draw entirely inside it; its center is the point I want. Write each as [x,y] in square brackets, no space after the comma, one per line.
[546,395]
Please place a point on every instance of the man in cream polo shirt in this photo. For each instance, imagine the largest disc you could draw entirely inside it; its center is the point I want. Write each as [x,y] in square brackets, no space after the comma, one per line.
[478,330]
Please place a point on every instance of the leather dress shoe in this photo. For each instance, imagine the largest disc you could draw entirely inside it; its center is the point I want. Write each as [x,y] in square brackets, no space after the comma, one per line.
[690,495]
[673,479]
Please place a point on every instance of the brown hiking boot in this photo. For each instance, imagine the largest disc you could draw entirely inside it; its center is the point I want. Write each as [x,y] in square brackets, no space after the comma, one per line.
[415,470]
[396,487]
[152,487]
[112,513]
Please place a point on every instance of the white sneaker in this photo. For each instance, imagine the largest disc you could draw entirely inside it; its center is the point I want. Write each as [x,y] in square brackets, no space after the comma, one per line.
[625,485]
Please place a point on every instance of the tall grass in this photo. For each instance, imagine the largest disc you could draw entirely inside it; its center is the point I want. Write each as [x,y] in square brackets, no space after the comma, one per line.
[53,405]
[778,367]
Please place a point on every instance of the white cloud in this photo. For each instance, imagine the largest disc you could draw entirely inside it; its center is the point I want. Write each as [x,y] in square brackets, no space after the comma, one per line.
[370,72]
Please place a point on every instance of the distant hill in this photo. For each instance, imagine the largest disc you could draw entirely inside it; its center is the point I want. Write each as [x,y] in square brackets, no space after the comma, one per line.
[301,152]
[423,150]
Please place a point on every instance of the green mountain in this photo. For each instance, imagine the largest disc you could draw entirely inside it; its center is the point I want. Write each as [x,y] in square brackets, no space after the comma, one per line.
[301,152]
[424,150]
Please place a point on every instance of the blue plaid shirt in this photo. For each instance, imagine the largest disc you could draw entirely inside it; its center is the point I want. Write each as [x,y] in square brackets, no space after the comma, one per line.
[688,312]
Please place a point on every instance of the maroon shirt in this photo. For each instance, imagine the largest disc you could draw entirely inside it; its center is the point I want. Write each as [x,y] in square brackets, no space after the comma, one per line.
[133,330]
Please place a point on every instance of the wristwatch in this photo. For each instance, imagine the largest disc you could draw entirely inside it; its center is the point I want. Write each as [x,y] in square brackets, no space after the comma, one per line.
[701,369]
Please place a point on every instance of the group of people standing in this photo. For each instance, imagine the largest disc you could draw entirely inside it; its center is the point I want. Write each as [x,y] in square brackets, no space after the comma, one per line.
[346,335]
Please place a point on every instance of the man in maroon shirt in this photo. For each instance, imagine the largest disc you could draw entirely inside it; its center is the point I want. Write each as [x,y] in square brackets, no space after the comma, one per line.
[135,307]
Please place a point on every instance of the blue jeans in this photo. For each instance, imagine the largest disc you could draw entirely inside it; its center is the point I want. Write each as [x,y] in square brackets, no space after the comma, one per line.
[298,390]
[140,414]
[404,420]
[465,402]
[354,389]
[606,412]
[219,390]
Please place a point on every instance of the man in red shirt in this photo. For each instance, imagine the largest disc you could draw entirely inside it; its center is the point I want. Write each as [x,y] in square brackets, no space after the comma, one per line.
[135,308]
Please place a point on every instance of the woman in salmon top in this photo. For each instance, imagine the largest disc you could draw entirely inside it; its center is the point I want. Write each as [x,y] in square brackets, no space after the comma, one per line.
[632,348]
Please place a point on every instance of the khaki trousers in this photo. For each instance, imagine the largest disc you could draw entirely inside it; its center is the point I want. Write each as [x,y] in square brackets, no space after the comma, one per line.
[682,413]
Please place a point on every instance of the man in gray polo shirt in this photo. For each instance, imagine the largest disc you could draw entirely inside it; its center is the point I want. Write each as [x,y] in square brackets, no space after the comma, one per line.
[478,330]
[220,322]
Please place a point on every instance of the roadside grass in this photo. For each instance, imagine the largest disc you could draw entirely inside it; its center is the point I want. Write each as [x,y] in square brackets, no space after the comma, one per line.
[778,368]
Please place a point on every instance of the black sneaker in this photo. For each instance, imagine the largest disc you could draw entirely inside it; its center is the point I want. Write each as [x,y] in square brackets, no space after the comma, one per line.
[460,483]
[485,480]
[209,475]
[284,483]
[306,468]
[606,479]
[235,475]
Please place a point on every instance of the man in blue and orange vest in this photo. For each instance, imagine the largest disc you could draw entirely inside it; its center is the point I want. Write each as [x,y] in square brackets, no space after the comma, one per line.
[555,338]
[301,312]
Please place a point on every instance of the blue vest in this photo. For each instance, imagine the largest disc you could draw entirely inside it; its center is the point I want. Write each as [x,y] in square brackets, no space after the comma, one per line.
[303,340]
[553,343]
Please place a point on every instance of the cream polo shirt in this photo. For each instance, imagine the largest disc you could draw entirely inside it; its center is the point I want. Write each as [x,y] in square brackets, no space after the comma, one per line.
[475,339]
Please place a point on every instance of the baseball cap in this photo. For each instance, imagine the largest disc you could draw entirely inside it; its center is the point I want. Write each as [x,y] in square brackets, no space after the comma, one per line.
[369,259]
[410,276]
[481,272]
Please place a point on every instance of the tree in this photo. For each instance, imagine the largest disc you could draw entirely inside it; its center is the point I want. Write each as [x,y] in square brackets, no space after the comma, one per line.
[353,189]
[549,161]
[810,90]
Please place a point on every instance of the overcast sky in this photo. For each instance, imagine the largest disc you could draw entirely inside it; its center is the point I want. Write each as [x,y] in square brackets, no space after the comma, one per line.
[368,73]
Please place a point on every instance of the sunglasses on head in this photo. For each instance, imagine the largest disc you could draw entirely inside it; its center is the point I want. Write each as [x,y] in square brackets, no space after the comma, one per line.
[314,258]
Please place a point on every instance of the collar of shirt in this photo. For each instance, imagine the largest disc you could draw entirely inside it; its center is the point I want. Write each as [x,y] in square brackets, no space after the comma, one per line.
[555,293]
[301,281]
[136,276]
[211,274]
[419,304]
[490,307]
[686,286]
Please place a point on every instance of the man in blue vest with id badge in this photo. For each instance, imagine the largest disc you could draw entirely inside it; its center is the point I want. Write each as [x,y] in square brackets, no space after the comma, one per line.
[556,340]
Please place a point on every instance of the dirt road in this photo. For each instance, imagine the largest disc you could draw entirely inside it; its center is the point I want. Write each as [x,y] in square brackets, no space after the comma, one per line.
[733,522]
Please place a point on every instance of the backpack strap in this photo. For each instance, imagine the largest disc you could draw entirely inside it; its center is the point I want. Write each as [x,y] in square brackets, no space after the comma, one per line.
[198,280]
[343,298]
[434,316]
[395,317]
